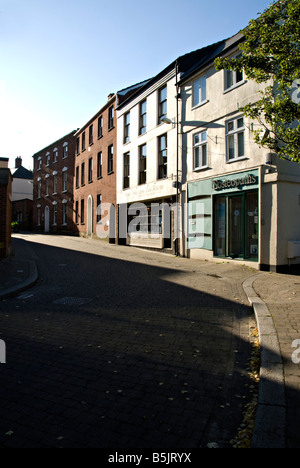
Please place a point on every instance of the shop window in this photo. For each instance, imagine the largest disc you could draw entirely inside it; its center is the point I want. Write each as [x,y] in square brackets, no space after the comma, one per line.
[236,226]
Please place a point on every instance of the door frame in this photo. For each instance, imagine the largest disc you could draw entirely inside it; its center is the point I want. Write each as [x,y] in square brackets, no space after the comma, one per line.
[47,219]
[242,194]
[89,218]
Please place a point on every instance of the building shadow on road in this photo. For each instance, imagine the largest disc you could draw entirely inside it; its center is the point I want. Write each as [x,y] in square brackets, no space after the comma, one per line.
[109,353]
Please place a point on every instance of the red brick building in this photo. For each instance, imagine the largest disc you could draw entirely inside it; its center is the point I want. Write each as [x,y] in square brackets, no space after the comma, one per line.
[95,209]
[53,175]
[5,207]
[95,171]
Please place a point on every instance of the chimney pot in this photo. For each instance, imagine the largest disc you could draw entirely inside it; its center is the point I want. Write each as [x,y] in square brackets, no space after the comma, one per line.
[18,161]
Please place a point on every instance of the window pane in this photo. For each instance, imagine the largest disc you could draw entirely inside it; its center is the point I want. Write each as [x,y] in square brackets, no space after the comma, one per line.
[203,94]
[230,126]
[196,92]
[163,94]
[204,155]
[197,157]
[241,146]
[197,139]
[229,78]
[231,154]
[239,76]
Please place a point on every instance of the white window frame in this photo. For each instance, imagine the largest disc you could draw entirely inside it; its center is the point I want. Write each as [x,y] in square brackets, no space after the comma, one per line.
[233,135]
[47,185]
[55,155]
[55,212]
[55,183]
[65,180]
[39,181]
[64,212]
[235,82]
[126,128]
[199,146]
[66,150]
[199,91]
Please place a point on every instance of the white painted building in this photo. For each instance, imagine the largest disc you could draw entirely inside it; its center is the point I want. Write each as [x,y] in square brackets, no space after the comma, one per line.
[146,149]
[243,202]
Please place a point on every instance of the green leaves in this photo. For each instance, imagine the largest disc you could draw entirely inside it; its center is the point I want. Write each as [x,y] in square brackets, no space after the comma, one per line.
[271,55]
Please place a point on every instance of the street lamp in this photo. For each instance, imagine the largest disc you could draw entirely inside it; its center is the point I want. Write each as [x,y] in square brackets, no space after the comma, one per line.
[168,121]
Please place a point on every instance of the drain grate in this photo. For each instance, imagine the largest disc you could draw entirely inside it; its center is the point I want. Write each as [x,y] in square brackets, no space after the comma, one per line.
[72,301]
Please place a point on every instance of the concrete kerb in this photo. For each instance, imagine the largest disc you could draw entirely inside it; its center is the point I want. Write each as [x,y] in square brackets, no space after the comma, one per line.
[270,423]
[30,281]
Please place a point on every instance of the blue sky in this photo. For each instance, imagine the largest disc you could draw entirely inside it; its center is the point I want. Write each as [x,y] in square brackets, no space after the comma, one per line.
[61,58]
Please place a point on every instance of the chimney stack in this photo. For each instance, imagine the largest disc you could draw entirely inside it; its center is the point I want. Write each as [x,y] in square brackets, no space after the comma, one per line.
[4,163]
[18,162]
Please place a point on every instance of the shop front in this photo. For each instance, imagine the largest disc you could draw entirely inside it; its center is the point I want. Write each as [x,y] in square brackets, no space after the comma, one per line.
[148,224]
[223,217]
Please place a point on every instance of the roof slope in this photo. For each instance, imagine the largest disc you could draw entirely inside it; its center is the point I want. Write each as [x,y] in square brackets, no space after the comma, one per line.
[22,173]
[191,62]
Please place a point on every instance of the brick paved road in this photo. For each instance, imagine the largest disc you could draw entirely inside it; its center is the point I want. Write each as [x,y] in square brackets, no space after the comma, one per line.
[116,347]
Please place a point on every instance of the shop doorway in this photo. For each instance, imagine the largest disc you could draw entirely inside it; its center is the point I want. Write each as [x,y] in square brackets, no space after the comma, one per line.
[89,232]
[47,219]
[236,226]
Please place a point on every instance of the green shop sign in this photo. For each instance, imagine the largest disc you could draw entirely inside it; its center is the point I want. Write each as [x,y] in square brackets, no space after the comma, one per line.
[235,183]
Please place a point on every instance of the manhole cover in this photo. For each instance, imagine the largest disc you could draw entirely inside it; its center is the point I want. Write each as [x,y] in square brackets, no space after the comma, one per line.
[72,301]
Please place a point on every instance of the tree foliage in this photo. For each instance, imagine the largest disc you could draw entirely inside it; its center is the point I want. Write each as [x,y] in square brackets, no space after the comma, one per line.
[271,55]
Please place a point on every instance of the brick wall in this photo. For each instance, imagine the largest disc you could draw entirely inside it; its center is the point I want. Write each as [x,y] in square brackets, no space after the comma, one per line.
[94,141]
[23,209]
[53,176]
[5,213]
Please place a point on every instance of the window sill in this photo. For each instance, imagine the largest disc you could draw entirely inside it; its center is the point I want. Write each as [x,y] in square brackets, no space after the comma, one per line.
[242,158]
[237,85]
[110,173]
[200,169]
[200,104]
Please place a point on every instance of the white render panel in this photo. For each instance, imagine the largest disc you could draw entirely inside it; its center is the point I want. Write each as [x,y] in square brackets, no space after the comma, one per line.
[154,188]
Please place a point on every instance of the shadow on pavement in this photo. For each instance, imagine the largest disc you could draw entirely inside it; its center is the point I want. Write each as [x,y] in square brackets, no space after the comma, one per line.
[109,353]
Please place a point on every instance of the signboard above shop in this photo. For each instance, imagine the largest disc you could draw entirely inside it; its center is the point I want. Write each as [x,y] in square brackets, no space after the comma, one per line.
[237,182]
[234,182]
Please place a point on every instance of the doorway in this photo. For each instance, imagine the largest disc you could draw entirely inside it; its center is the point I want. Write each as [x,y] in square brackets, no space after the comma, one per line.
[236,226]
[47,220]
[89,231]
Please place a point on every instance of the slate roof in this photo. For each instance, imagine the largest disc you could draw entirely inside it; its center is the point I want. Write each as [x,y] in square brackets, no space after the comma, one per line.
[189,63]
[22,173]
